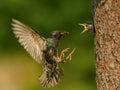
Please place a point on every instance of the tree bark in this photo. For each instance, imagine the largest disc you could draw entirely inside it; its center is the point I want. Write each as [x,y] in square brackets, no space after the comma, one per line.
[107,44]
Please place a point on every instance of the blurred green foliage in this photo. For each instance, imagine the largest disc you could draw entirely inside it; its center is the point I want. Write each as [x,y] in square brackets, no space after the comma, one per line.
[17,68]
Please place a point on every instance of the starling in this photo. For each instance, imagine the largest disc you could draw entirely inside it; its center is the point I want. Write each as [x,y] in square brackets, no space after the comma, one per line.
[44,51]
[88,27]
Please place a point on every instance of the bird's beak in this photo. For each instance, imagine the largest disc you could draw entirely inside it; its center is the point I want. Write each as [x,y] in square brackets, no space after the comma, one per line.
[64,33]
[85,28]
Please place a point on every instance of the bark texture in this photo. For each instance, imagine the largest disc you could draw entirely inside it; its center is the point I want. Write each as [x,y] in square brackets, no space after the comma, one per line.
[107,44]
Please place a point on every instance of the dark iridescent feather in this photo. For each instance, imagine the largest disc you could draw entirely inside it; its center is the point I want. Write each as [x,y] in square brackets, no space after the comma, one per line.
[42,50]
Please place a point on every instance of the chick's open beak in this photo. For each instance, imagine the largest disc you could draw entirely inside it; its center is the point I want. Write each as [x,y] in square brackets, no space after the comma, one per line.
[85,28]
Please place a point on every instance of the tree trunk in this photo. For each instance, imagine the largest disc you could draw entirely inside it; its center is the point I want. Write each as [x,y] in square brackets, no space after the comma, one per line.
[107,44]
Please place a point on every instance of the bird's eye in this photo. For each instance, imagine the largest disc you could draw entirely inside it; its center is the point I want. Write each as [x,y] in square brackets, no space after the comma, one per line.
[55,35]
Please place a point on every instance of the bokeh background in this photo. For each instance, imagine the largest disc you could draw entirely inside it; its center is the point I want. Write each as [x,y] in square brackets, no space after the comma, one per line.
[18,71]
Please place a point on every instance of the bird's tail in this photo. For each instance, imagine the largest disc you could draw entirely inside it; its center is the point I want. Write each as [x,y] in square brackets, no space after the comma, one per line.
[51,75]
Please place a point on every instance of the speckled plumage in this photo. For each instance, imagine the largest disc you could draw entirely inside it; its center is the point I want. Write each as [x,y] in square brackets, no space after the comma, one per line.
[42,50]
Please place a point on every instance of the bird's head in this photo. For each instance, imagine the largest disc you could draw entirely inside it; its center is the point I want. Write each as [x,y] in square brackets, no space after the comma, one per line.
[57,34]
[88,27]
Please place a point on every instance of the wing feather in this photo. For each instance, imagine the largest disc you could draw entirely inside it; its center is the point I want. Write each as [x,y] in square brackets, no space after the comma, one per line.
[30,40]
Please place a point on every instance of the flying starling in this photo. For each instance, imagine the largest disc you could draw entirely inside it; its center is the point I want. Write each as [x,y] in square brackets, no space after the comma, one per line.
[88,27]
[44,51]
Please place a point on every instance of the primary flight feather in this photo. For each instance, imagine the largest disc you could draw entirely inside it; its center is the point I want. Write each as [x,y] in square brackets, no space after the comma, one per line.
[42,50]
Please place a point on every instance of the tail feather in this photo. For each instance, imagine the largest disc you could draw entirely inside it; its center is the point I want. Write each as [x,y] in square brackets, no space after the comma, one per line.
[51,76]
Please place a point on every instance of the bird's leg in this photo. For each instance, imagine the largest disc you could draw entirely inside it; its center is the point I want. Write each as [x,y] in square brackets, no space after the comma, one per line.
[70,54]
[62,54]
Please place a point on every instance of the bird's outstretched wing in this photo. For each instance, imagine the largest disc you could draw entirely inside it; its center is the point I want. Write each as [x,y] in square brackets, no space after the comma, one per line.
[30,40]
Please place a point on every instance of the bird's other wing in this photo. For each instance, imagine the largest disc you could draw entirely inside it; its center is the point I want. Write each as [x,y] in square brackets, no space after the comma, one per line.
[30,40]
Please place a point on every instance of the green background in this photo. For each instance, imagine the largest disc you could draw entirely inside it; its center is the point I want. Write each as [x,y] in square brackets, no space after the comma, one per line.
[18,71]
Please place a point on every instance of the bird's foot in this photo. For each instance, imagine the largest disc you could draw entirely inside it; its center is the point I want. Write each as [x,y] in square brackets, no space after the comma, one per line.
[62,55]
[70,54]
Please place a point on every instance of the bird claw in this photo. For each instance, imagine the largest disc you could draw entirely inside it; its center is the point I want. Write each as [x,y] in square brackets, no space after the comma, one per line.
[70,54]
[62,55]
